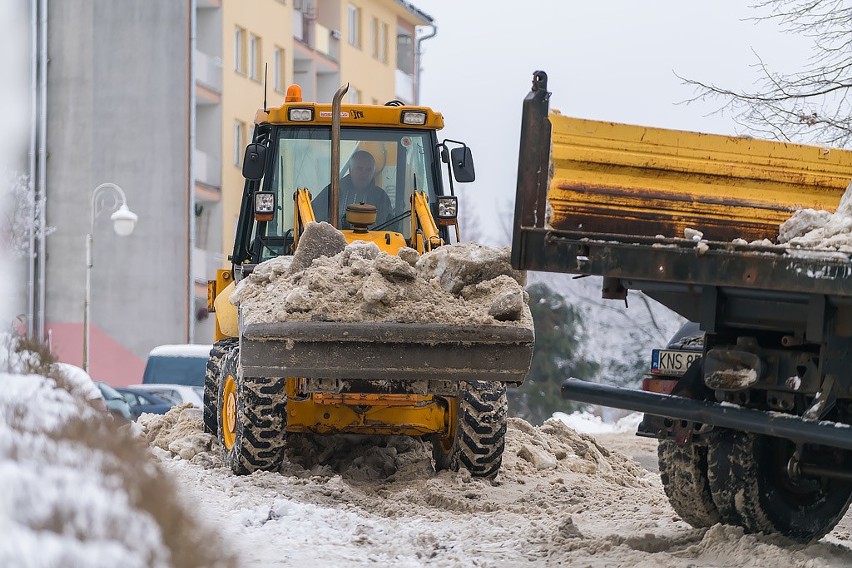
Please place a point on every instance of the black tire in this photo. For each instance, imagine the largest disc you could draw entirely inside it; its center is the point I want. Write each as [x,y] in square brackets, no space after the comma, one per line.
[748,473]
[252,433]
[683,471]
[211,382]
[478,437]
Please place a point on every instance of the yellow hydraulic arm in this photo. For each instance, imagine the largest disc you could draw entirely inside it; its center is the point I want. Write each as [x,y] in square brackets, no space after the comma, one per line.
[424,231]
[304,213]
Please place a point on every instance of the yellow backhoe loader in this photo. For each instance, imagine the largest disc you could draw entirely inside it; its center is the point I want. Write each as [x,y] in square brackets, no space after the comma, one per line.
[432,380]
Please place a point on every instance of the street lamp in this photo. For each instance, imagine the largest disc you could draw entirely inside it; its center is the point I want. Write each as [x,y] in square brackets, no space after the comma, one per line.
[123,221]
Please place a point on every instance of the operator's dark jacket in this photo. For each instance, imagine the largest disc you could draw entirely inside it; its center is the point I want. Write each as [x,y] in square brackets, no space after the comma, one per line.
[373,195]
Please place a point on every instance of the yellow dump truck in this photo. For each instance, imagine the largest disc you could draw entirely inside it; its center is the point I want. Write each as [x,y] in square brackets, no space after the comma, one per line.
[758,431]
[268,380]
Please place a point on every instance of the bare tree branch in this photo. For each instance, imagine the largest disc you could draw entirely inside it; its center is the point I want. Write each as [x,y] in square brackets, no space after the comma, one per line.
[812,105]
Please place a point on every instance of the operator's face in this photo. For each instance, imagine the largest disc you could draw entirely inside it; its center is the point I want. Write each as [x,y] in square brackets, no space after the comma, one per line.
[361,172]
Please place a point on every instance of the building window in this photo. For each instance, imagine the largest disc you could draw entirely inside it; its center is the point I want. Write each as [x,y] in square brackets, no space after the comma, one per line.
[374,38]
[254,57]
[354,26]
[278,75]
[239,141]
[383,43]
[240,50]
[354,96]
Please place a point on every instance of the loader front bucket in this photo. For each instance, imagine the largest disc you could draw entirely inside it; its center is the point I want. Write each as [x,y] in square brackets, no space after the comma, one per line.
[386,351]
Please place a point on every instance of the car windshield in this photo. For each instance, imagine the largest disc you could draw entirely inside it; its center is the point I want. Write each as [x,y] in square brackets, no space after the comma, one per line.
[109,392]
[169,395]
[403,162]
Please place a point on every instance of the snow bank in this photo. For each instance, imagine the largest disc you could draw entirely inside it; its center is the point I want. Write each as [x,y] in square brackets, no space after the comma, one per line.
[588,423]
[80,491]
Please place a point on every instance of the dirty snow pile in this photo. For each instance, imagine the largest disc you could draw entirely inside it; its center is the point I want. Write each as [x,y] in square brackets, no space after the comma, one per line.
[80,491]
[561,498]
[589,423]
[820,230]
[328,280]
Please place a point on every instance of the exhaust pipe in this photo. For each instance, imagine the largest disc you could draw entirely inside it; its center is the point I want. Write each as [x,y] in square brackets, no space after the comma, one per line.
[334,190]
[776,424]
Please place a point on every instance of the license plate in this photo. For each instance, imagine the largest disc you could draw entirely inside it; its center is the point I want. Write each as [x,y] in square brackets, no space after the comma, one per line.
[671,362]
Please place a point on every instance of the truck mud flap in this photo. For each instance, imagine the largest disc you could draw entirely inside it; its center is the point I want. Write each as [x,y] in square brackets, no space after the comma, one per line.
[386,351]
[777,424]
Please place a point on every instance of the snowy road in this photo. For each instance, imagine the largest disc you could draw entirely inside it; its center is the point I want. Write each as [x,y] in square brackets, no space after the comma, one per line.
[561,499]
[80,493]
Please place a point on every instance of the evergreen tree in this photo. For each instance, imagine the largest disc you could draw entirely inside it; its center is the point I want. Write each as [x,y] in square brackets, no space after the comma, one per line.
[558,340]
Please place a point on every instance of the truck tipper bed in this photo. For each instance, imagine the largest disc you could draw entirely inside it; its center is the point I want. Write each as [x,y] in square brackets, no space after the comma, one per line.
[757,432]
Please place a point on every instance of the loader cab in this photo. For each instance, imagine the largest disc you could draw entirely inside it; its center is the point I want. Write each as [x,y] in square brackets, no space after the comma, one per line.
[293,156]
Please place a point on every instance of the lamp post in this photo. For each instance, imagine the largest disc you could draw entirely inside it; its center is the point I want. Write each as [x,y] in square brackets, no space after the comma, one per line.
[124,220]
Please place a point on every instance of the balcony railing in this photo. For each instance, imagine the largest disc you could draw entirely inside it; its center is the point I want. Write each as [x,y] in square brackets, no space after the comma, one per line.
[208,169]
[327,42]
[208,71]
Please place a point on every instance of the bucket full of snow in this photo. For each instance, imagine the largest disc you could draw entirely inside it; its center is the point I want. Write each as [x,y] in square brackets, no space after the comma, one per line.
[351,311]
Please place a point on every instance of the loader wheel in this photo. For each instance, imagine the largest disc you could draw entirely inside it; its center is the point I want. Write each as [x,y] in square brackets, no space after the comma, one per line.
[683,471]
[748,473]
[252,419]
[211,382]
[477,432]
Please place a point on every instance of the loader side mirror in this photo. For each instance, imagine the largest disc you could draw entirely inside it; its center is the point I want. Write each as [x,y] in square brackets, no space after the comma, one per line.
[462,160]
[254,162]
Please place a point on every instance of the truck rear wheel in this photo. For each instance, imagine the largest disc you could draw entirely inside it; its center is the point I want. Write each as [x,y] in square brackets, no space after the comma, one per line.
[749,475]
[252,419]
[683,471]
[211,382]
[476,437]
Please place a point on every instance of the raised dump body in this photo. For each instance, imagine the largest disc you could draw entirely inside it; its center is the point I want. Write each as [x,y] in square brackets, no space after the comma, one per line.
[756,433]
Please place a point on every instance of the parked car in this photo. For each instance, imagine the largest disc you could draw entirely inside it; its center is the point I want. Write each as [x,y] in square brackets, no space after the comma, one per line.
[176,394]
[142,402]
[118,407]
[182,364]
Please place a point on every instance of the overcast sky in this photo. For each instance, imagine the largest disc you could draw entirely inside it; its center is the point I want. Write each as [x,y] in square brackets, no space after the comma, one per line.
[613,60]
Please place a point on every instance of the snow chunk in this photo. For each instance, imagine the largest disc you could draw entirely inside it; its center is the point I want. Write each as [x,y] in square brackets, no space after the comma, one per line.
[461,265]
[692,234]
[318,240]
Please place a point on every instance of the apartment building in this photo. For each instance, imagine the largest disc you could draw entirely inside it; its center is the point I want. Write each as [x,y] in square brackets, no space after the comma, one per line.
[157,97]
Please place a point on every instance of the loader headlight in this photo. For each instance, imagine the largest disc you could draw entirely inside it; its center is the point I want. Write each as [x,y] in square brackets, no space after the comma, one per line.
[264,205]
[447,209]
[413,117]
[301,114]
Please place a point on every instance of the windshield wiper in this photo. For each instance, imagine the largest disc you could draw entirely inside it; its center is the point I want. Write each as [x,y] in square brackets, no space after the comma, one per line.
[392,220]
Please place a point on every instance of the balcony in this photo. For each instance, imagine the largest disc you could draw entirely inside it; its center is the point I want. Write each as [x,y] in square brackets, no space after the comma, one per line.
[327,42]
[205,263]
[208,71]
[208,169]
[404,87]
[317,37]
